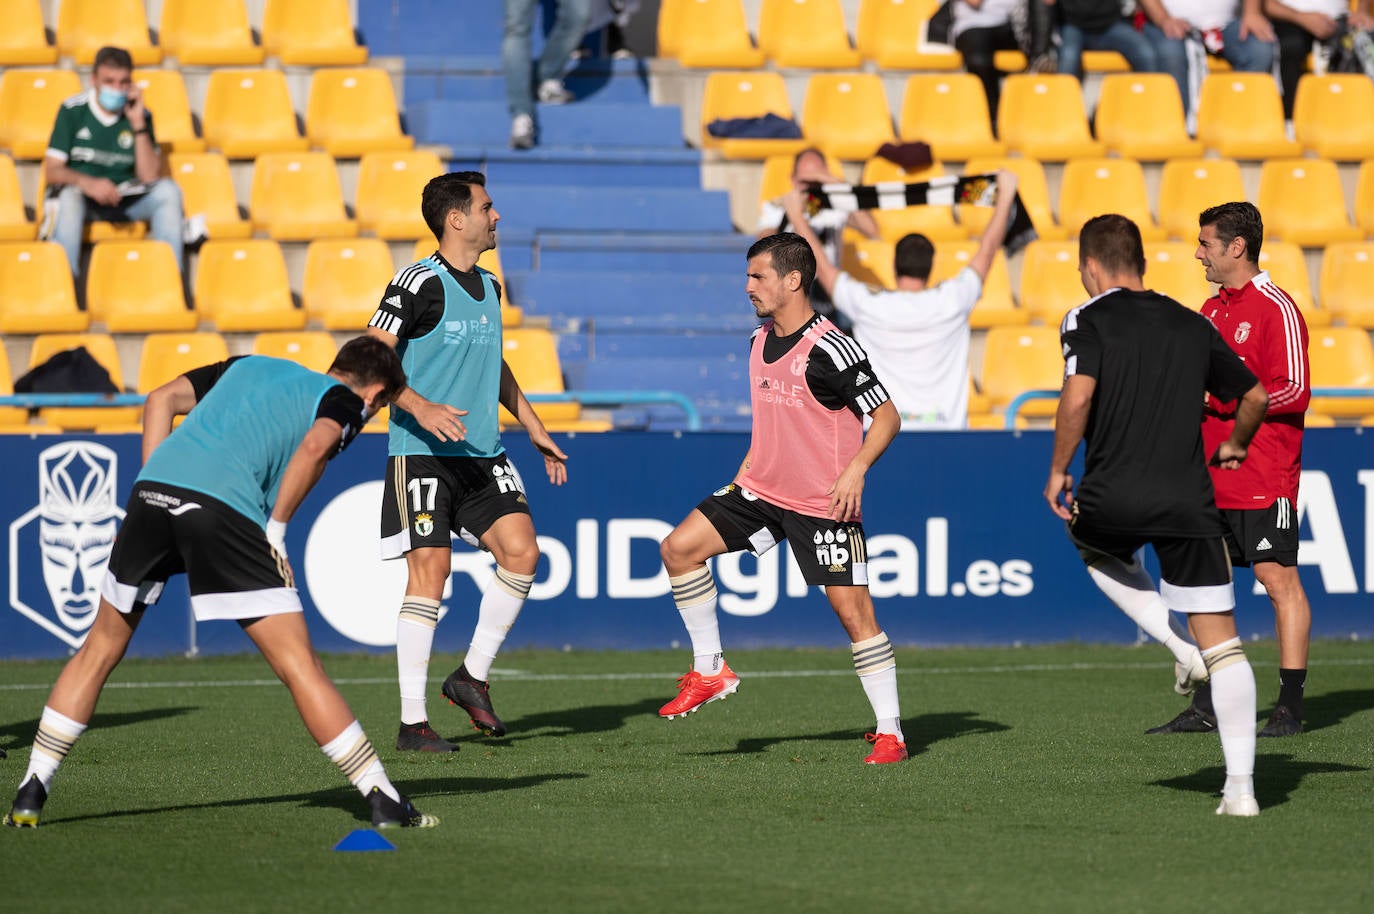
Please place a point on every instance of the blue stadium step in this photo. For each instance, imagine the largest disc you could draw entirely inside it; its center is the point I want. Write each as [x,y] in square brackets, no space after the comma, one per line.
[592,82]
[467,125]
[612,209]
[617,343]
[717,253]
[641,301]
[603,167]
[717,384]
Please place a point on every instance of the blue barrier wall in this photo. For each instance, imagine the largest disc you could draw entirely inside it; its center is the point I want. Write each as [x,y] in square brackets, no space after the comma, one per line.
[962,549]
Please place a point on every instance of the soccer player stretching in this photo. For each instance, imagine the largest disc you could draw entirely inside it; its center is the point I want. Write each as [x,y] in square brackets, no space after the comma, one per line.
[443,315]
[213,501]
[1136,365]
[802,480]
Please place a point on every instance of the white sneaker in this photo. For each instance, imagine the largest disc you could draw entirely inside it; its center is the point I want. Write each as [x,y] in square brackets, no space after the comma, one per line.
[1188,676]
[1238,806]
[553,92]
[521,131]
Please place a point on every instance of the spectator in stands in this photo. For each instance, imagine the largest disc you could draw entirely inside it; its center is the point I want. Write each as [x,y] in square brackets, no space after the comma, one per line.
[1183,32]
[568,29]
[979,30]
[1299,24]
[916,336]
[1100,25]
[103,162]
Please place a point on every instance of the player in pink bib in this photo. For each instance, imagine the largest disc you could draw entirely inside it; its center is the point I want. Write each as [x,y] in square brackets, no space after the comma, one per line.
[802,480]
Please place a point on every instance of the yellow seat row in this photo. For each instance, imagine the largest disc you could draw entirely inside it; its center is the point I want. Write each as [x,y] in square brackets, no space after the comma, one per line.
[350,111]
[214,32]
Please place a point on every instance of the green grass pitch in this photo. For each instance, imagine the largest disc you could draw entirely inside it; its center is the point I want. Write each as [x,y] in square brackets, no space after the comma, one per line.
[1031,787]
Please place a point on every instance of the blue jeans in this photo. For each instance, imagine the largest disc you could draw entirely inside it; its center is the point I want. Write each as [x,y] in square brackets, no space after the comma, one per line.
[568,29]
[1248,56]
[160,207]
[1119,37]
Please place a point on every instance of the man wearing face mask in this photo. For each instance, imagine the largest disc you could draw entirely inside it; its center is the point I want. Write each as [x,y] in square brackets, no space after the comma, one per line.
[103,163]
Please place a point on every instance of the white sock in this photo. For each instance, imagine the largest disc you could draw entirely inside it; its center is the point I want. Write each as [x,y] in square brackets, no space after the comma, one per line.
[501,603]
[414,642]
[1233,696]
[876,665]
[353,753]
[1133,592]
[56,735]
[695,595]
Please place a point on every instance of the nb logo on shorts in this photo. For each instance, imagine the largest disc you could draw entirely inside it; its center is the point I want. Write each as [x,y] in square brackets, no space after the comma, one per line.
[506,479]
[424,524]
[829,550]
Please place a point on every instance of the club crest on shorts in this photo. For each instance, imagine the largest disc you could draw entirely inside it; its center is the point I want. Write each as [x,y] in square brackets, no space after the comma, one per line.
[424,524]
[1242,331]
[69,535]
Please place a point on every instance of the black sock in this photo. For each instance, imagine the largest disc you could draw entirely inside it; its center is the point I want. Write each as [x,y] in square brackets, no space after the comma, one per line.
[1202,699]
[1291,683]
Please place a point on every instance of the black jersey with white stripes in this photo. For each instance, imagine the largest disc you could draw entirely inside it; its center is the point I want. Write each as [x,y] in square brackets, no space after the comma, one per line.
[838,372]
[413,303]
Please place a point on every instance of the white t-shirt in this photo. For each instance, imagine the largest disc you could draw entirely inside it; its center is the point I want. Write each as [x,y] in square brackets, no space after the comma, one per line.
[828,224]
[1204,14]
[1333,8]
[918,344]
[988,15]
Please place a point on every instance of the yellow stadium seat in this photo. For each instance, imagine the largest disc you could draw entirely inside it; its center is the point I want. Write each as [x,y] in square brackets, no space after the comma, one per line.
[248,113]
[1341,357]
[732,95]
[712,34]
[318,34]
[950,112]
[1302,201]
[1317,420]
[1364,198]
[1018,359]
[1333,115]
[935,222]
[846,114]
[1090,187]
[777,175]
[164,93]
[101,346]
[1105,62]
[1287,267]
[806,34]
[995,422]
[869,260]
[1172,270]
[315,349]
[1189,186]
[86,26]
[344,281]
[36,293]
[891,33]
[1050,283]
[242,286]
[96,231]
[29,100]
[297,197]
[14,222]
[532,354]
[208,32]
[1042,117]
[207,190]
[668,27]
[995,307]
[1347,283]
[23,40]
[1140,116]
[166,356]
[135,287]
[353,111]
[1031,185]
[389,188]
[1240,116]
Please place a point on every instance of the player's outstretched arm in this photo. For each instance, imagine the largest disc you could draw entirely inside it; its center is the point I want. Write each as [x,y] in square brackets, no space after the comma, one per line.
[175,398]
[513,399]
[846,495]
[794,204]
[303,470]
[1070,422]
[439,419]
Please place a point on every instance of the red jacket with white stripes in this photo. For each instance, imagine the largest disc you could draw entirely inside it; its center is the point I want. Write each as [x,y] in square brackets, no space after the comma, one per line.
[1260,322]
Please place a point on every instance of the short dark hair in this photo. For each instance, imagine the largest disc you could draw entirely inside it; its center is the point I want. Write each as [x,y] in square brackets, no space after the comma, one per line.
[914,256]
[790,252]
[1236,220]
[444,194]
[1113,241]
[367,360]
[808,151]
[112,57]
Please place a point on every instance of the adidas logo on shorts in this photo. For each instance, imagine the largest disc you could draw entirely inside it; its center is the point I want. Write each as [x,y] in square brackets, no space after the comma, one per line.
[1263,545]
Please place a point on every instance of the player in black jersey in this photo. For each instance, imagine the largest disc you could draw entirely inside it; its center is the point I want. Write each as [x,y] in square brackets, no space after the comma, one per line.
[1136,366]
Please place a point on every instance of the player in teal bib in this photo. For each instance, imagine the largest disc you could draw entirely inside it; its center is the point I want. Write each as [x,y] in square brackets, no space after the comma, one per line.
[447,472]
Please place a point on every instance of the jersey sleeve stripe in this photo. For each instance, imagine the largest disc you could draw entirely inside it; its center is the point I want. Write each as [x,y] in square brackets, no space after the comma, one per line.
[842,351]
[413,277]
[1292,339]
[387,322]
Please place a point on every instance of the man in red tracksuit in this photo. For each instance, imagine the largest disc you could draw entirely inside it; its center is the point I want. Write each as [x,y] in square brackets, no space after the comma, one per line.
[1262,325]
